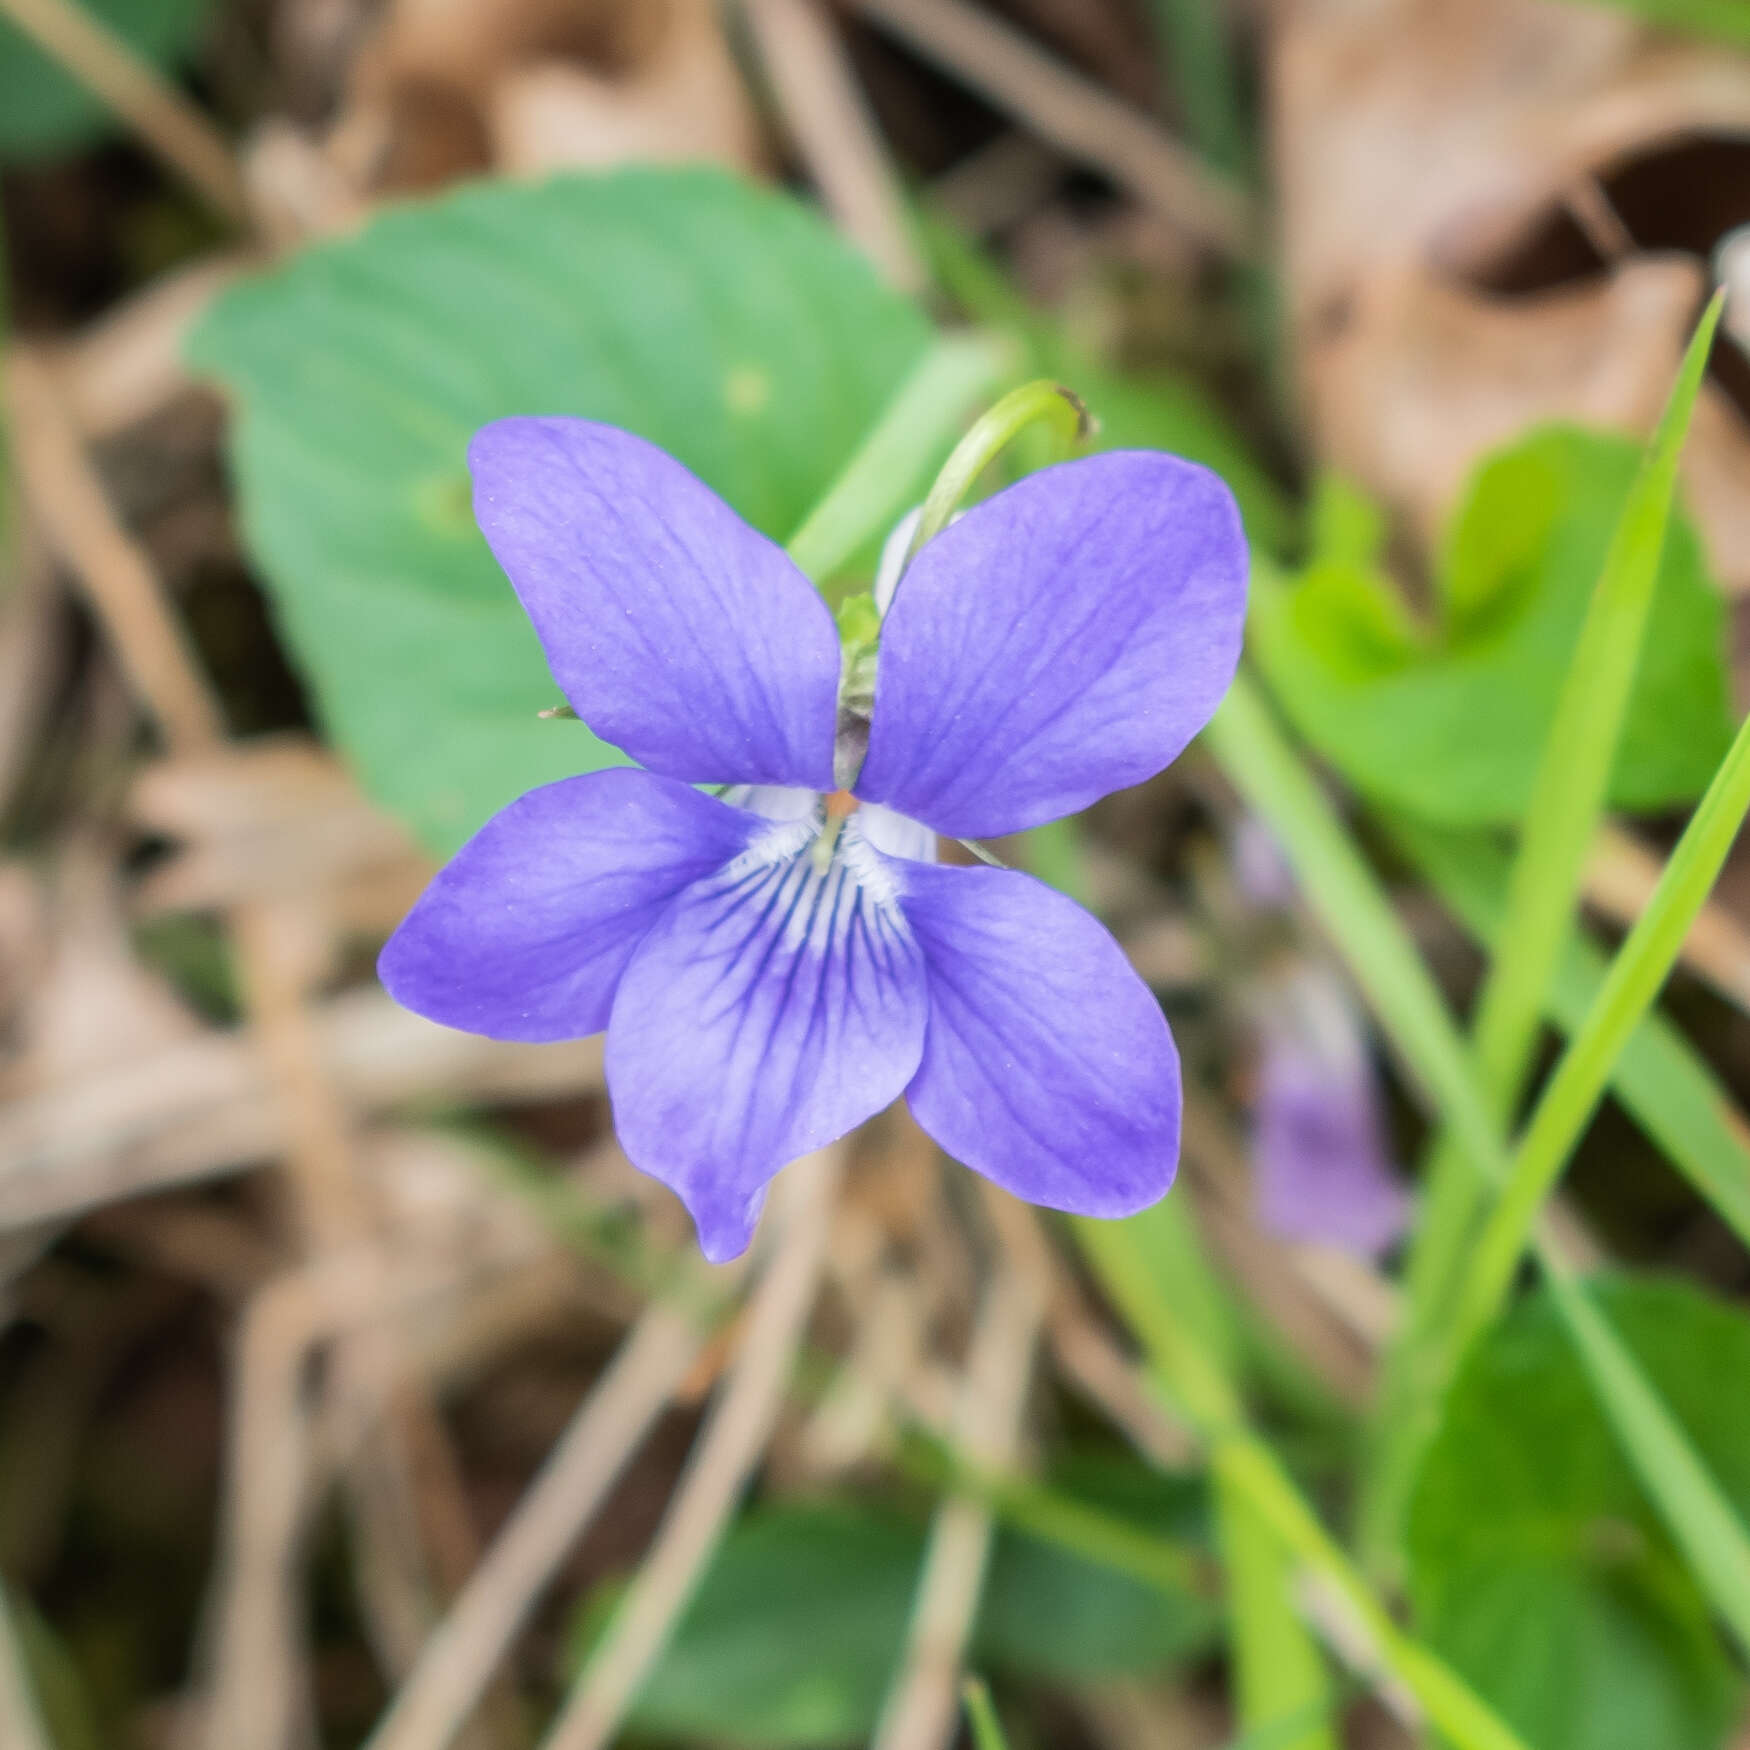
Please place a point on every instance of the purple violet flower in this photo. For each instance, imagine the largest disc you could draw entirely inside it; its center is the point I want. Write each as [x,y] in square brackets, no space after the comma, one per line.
[774,967]
[1320,1166]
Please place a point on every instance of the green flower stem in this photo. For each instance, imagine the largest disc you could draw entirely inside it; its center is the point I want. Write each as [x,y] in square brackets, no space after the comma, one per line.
[1099,1537]
[1039,402]
[1249,1474]
[1280,1681]
[893,462]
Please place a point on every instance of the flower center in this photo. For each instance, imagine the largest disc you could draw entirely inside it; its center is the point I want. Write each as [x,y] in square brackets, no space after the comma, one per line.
[839,806]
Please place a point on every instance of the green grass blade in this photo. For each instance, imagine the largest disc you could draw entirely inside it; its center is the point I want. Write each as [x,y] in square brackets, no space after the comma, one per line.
[1561,821]
[1280,1683]
[1640,968]
[1193,1377]
[1345,895]
[981,1716]
[1543,888]
[1660,1079]
[896,461]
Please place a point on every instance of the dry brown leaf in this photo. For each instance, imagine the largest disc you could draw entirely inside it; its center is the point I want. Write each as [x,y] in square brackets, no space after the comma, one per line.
[93,1006]
[449,87]
[277,818]
[1488,219]
[684,100]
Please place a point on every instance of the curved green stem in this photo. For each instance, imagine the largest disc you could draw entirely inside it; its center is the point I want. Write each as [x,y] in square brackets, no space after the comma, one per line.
[1039,402]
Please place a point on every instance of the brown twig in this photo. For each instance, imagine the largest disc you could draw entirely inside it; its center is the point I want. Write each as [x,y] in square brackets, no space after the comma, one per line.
[721,1464]
[168,123]
[128,364]
[202,1107]
[1073,113]
[835,133]
[459,1658]
[73,509]
[254,1699]
[30,637]
[922,1707]
[70,507]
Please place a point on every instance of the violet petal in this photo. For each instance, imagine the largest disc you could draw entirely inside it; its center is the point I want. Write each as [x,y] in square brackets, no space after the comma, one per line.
[1048,1065]
[525,932]
[1061,640]
[772,1010]
[676,631]
[1320,1168]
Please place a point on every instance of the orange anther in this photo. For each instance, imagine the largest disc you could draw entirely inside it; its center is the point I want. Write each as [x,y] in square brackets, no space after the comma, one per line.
[841,805]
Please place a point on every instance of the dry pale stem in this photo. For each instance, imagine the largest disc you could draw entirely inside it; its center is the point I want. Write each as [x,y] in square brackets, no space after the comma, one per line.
[129,364]
[1073,113]
[722,1462]
[194,1108]
[73,510]
[30,634]
[169,124]
[255,1699]
[70,507]
[835,133]
[922,1708]
[459,1658]
[21,1723]
[1091,1362]
[1332,1310]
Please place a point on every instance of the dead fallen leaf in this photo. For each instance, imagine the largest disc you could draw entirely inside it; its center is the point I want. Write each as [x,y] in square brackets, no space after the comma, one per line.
[449,87]
[275,818]
[1489,219]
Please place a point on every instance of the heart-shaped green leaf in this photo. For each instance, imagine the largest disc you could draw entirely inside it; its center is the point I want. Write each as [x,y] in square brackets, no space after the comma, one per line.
[1445,719]
[723,322]
[1537,1566]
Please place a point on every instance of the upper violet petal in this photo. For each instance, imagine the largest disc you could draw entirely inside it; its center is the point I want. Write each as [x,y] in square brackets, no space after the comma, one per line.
[525,932]
[1048,1065]
[773,1009]
[675,630]
[1061,640]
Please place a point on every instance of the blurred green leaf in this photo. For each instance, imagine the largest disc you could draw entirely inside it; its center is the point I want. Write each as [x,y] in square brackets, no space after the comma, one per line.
[1538,1566]
[44,110]
[725,323]
[794,1632]
[1446,721]
[1049,1614]
[1727,19]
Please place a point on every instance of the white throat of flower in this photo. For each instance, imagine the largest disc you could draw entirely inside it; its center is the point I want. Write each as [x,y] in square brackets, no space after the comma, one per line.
[802,818]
